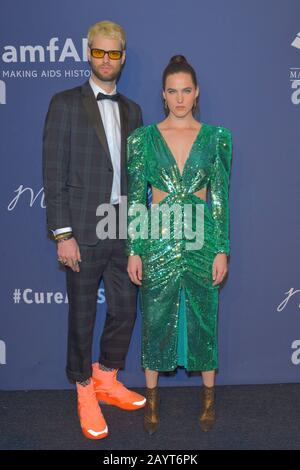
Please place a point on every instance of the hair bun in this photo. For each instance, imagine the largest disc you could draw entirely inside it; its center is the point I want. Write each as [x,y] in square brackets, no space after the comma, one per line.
[178,59]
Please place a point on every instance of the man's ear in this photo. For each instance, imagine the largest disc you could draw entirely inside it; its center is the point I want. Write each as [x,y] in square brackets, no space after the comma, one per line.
[123,57]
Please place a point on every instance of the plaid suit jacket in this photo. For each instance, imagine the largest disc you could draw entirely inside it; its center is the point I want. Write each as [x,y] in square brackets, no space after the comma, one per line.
[77,167]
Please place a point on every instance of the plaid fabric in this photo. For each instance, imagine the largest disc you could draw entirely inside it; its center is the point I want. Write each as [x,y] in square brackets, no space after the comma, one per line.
[77,168]
[106,260]
[78,175]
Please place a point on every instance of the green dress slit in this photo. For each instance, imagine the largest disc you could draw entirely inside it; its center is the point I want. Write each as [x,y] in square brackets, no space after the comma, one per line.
[182,332]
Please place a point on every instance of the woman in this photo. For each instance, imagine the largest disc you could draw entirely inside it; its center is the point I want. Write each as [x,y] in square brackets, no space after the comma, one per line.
[180,158]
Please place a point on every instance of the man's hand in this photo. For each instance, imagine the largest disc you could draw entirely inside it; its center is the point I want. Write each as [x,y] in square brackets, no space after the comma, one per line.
[219,268]
[134,269]
[68,254]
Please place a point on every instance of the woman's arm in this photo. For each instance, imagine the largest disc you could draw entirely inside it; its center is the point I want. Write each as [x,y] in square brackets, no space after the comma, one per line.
[220,206]
[220,189]
[137,197]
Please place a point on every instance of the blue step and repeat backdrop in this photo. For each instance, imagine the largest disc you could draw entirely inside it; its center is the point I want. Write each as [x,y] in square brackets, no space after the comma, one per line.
[247,57]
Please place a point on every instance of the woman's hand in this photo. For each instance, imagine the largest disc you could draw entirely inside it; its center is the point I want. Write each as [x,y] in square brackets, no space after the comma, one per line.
[134,269]
[219,268]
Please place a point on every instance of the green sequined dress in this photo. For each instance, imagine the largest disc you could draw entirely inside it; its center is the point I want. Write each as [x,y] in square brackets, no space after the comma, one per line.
[179,304]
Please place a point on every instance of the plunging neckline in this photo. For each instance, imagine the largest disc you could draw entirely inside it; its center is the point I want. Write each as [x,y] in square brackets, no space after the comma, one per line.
[172,155]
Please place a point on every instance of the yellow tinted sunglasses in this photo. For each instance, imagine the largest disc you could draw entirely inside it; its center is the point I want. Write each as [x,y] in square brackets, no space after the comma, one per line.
[100,53]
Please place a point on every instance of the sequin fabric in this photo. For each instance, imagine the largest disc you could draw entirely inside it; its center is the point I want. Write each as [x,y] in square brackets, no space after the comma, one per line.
[172,274]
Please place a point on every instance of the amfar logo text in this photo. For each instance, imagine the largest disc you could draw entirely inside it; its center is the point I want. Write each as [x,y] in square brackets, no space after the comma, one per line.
[296,41]
[296,354]
[295,74]
[53,52]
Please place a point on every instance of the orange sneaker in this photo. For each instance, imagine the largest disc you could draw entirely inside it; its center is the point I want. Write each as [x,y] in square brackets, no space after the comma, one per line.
[109,390]
[91,419]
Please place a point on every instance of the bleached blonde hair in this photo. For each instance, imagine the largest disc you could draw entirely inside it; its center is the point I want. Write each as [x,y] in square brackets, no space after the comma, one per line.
[108,29]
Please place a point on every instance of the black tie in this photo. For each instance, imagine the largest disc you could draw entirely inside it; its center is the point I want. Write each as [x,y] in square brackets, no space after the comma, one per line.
[102,96]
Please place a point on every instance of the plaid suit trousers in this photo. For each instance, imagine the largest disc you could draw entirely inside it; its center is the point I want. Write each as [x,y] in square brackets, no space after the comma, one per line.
[107,261]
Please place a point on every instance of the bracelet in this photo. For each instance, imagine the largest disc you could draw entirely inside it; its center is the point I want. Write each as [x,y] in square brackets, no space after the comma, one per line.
[64,234]
[64,237]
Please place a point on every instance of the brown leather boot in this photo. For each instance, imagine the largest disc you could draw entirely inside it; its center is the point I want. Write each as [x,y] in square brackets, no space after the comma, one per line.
[151,416]
[207,416]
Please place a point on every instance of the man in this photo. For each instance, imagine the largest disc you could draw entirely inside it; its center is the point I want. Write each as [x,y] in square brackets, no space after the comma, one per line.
[84,165]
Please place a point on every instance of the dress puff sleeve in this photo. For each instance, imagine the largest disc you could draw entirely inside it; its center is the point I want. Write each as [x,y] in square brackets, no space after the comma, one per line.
[219,190]
[137,188]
